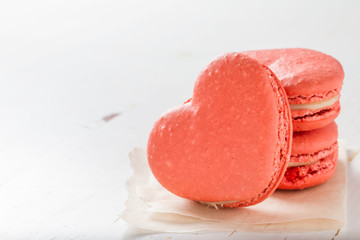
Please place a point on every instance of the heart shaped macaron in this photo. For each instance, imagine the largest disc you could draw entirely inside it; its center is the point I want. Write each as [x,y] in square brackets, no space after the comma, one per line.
[230,144]
[312,81]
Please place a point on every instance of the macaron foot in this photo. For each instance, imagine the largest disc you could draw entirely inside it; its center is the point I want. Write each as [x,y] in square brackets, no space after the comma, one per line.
[309,175]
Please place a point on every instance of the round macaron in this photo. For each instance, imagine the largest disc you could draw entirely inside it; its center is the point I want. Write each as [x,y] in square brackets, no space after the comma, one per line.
[312,81]
[230,144]
[313,158]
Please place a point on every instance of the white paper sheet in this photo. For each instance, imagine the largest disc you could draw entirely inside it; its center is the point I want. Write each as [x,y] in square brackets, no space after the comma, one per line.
[151,207]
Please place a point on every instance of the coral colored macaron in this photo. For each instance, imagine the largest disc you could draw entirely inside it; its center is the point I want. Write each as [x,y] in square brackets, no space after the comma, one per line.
[312,80]
[228,146]
[313,158]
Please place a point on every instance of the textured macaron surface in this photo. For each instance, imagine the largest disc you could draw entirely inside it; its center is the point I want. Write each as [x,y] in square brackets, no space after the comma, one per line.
[307,75]
[310,175]
[208,149]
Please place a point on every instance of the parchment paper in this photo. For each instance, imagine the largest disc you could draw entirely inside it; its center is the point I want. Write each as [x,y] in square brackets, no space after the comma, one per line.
[151,207]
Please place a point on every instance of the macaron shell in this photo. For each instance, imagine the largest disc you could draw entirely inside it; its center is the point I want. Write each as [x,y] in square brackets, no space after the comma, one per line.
[207,149]
[316,121]
[301,99]
[313,157]
[306,114]
[309,175]
[310,142]
[303,72]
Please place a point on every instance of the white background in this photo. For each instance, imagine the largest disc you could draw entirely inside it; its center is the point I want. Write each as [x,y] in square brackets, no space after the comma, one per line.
[65,65]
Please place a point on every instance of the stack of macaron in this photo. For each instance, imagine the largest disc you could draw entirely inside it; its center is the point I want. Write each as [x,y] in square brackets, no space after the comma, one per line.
[257,121]
[312,81]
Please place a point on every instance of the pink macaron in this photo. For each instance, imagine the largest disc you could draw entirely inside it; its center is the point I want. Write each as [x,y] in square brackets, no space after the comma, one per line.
[313,158]
[230,144]
[312,81]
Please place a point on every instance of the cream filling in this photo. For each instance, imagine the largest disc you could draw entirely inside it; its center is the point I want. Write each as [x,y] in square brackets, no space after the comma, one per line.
[297,164]
[315,105]
[216,204]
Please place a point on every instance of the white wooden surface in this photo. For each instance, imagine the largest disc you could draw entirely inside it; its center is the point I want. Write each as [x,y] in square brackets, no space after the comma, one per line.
[67,65]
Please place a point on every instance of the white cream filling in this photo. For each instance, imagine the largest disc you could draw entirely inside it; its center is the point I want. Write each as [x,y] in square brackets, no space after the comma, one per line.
[216,204]
[297,164]
[315,105]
